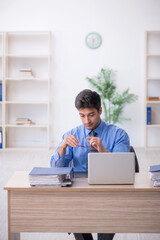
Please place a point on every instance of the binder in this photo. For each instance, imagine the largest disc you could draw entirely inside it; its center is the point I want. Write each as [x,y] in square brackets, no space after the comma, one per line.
[148,115]
[154,168]
[0,91]
[0,139]
[40,176]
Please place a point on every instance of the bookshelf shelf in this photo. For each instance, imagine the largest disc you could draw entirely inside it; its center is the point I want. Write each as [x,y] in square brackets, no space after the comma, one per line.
[26,102]
[28,79]
[26,148]
[152,148]
[26,126]
[153,55]
[153,126]
[153,102]
[152,113]
[1,85]
[26,56]
[25,97]
[153,79]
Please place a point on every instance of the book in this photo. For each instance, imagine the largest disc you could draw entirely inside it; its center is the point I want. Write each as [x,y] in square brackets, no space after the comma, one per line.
[40,176]
[155,174]
[0,91]
[0,139]
[21,121]
[153,98]
[157,183]
[148,115]
[25,72]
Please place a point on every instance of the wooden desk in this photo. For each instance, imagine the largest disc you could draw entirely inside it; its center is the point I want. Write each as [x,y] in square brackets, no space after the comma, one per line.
[82,207]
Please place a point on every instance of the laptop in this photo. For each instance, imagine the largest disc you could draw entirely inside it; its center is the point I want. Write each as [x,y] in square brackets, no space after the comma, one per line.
[111,168]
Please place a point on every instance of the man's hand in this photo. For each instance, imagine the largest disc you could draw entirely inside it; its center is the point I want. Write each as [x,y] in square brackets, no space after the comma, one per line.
[69,140]
[97,144]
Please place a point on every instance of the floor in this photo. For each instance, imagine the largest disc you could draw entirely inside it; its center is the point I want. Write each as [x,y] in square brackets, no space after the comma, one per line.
[11,161]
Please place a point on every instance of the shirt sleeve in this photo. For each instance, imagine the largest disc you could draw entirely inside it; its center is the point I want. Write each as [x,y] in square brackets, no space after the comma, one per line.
[122,142]
[61,160]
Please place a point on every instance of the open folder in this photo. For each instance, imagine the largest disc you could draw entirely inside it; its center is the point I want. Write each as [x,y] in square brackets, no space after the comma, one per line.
[40,176]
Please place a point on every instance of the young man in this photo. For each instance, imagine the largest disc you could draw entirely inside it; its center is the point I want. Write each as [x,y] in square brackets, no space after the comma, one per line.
[105,138]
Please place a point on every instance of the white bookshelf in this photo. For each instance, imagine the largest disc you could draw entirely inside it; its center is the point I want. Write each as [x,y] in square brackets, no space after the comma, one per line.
[152,131]
[1,79]
[26,97]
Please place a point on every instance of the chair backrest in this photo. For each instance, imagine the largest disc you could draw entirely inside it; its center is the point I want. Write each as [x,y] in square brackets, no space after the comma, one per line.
[136,160]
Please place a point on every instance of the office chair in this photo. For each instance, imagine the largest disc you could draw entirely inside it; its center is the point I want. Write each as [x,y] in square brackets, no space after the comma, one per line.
[136,159]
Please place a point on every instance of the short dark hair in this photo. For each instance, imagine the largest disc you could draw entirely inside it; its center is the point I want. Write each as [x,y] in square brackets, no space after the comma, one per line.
[88,99]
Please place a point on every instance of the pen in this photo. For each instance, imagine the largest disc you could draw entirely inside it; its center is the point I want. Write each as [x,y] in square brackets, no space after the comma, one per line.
[83,146]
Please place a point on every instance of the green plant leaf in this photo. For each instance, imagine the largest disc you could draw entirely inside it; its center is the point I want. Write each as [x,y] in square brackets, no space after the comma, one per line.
[112,101]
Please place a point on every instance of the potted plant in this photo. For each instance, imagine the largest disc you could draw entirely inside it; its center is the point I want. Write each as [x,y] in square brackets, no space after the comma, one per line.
[112,101]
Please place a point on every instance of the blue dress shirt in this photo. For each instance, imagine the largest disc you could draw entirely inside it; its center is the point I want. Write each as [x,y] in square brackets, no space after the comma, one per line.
[113,138]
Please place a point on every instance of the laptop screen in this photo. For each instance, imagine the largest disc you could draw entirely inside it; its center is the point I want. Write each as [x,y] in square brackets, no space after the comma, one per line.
[111,168]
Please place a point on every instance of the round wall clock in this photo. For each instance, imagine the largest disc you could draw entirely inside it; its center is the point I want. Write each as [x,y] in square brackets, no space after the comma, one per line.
[93,40]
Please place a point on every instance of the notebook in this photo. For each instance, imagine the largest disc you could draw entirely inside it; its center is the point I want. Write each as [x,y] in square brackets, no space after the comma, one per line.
[111,168]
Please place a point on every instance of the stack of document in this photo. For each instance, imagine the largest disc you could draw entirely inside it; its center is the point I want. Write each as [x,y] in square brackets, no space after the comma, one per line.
[155,175]
[40,176]
[24,121]
[25,72]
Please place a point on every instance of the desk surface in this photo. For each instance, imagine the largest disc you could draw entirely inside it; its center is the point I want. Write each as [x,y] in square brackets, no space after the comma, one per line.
[20,181]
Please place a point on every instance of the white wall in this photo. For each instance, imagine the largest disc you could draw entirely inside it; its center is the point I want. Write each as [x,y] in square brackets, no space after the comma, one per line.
[122,25]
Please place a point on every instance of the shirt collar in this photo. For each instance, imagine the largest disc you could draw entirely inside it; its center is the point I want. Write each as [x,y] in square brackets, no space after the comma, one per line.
[98,130]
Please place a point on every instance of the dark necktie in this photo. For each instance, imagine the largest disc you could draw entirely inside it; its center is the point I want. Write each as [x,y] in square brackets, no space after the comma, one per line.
[92,149]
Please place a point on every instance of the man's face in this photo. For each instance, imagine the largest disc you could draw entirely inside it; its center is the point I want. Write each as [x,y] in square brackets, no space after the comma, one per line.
[90,117]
